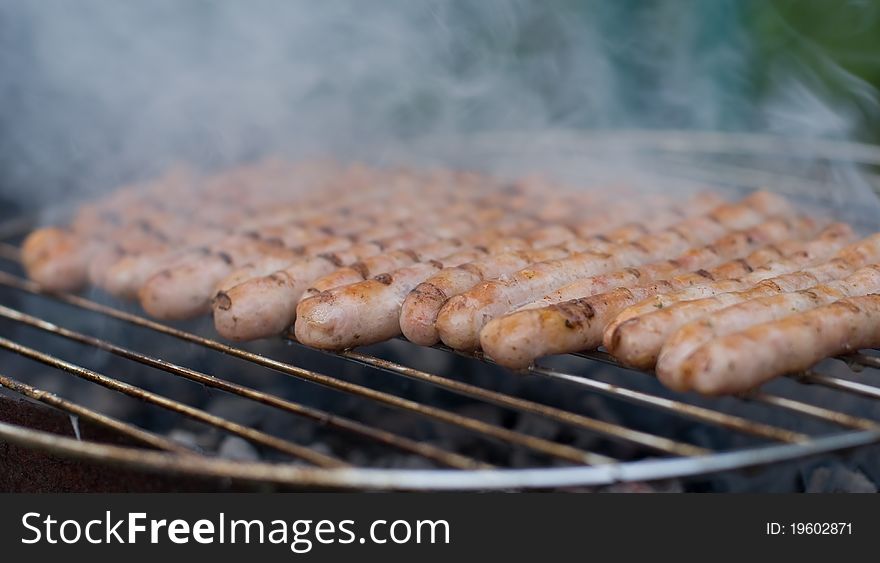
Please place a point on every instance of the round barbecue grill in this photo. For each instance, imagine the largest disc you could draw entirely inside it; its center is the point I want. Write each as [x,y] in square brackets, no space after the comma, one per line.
[830,409]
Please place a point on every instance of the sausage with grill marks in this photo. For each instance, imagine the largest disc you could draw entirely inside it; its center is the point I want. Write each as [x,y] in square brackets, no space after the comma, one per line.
[99,229]
[637,340]
[366,312]
[324,229]
[363,253]
[430,250]
[267,265]
[745,315]
[462,318]
[374,241]
[56,259]
[518,339]
[263,307]
[64,260]
[743,360]
[418,318]
[185,286]
[266,306]
[186,290]
[383,263]
[127,275]
[835,239]
[735,244]
[418,314]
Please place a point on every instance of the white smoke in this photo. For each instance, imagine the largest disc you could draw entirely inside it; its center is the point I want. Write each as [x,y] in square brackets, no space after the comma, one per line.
[94,93]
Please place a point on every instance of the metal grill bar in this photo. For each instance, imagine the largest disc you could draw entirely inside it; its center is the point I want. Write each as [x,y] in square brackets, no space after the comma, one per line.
[74,409]
[841,419]
[839,384]
[614,430]
[289,448]
[644,470]
[702,414]
[540,445]
[835,417]
[698,413]
[838,418]
[334,421]
[862,360]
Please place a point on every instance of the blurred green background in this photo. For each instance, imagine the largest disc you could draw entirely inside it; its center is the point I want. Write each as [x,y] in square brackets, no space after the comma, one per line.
[837,42]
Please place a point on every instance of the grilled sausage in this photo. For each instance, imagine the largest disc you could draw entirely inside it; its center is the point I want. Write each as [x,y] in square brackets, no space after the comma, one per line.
[735,244]
[326,227]
[418,316]
[64,259]
[637,340]
[431,249]
[744,315]
[267,265]
[186,289]
[438,227]
[265,306]
[56,259]
[518,339]
[437,223]
[375,264]
[366,312]
[235,309]
[832,240]
[127,275]
[743,360]
[462,318]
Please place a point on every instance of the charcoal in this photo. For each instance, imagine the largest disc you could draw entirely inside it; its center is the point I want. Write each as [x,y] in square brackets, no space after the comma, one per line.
[184,437]
[239,449]
[672,486]
[839,479]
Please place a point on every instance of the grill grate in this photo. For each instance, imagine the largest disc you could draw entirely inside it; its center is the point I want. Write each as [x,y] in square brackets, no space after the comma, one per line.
[656,456]
[699,459]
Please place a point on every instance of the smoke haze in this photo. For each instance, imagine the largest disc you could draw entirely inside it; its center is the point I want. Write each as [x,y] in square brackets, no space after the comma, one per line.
[94,93]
